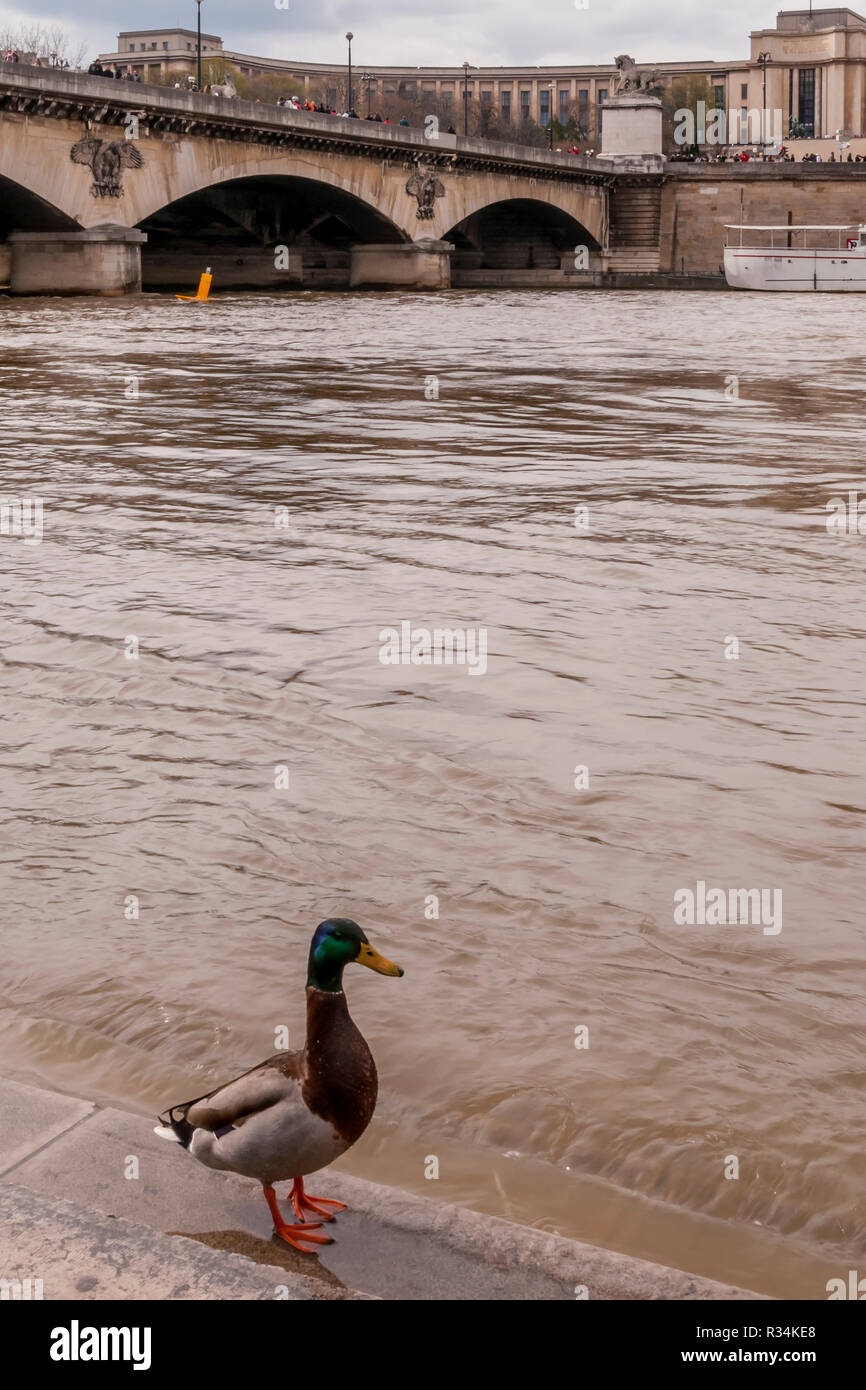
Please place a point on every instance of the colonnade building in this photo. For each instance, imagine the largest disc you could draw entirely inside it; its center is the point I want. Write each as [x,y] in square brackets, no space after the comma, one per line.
[811,66]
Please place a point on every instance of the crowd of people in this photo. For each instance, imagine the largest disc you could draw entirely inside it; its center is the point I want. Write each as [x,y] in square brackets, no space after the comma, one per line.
[695,155]
[831,158]
[13,56]
[127,74]
[296,103]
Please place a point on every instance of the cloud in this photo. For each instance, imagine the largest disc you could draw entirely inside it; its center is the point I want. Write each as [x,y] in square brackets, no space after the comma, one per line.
[418,32]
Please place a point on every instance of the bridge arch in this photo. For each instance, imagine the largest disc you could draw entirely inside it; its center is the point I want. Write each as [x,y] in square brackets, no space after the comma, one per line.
[518,234]
[586,204]
[253,229]
[24,210]
[197,166]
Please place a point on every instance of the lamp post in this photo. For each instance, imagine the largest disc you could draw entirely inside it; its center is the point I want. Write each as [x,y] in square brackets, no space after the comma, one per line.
[466,67]
[349,38]
[551,87]
[764,59]
[369,78]
[198,48]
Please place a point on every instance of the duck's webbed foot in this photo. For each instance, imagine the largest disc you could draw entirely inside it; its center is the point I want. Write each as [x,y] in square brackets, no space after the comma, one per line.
[301,1203]
[299,1237]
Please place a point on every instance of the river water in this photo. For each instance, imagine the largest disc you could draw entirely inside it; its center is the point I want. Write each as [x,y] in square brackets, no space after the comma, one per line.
[167,442]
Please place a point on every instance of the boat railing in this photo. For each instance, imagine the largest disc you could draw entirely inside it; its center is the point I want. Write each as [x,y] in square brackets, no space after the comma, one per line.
[807,237]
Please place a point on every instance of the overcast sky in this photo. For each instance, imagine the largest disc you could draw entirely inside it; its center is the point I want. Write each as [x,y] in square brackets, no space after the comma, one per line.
[429,31]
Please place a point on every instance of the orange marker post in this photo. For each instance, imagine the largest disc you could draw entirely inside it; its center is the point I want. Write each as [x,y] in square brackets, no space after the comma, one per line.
[200,297]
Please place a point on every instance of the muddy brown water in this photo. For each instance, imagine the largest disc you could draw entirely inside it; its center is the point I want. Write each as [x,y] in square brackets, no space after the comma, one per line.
[166,441]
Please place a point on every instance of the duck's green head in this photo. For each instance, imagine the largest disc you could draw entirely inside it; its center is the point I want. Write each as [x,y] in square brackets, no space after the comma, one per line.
[336,943]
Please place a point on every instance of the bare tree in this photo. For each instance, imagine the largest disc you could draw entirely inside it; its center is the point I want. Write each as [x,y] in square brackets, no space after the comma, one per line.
[50,42]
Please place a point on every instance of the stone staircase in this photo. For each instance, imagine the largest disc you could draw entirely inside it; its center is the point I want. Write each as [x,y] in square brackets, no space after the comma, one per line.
[633,262]
[635,217]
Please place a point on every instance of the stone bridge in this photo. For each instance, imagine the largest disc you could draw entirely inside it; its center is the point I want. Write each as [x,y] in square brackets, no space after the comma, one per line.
[103,182]
[274,198]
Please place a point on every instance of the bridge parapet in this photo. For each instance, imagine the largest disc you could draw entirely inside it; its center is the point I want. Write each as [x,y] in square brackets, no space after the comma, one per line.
[79,96]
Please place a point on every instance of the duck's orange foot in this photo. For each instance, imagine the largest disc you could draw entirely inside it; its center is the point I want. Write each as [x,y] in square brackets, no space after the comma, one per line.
[301,1203]
[299,1237]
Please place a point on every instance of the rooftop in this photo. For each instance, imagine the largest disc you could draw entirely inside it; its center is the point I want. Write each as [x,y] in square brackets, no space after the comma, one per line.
[806,21]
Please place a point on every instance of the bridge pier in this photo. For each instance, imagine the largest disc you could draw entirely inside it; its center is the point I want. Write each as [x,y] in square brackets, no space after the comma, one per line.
[104,260]
[415,265]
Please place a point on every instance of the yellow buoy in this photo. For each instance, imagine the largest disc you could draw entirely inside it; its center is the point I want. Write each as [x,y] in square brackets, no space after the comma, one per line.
[200,297]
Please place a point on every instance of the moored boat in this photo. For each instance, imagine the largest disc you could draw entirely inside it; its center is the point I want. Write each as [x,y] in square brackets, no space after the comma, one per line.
[792,258]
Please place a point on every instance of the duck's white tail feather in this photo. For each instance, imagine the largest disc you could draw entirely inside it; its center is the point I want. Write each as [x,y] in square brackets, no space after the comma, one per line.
[165,1133]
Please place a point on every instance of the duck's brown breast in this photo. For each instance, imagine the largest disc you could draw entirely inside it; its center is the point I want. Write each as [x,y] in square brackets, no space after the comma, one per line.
[340,1083]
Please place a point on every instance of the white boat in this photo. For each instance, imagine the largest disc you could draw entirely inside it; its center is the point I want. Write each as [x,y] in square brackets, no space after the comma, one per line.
[831,258]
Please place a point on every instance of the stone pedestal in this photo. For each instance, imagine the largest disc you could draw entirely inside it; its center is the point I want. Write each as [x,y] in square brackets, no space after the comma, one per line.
[631,129]
[416,265]
[99,260]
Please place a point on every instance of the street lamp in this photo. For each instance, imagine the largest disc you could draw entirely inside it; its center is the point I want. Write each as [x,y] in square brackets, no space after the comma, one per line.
[466,67]
[369,78]
[763,60]
[350,37]
[550,87]
[198,48]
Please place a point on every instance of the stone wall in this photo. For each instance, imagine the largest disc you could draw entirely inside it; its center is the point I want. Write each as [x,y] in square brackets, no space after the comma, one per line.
[698,200]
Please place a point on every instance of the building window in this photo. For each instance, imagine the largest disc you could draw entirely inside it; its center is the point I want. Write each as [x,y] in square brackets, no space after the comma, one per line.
[486,98]
[807,100]
[331,97]
[720,97]
[602,95]
[545,106]
[583,96]
[744,91]
[506,106]
[525,100]
[564,99]
[165,46]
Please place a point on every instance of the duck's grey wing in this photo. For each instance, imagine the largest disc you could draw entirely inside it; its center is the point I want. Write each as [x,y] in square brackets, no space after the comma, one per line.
[247,1095]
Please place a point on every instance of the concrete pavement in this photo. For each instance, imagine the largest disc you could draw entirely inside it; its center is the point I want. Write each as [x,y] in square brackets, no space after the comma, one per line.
[95,1205]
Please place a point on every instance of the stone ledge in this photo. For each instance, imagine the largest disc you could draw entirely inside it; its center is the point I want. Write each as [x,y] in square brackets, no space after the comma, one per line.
[78,1253]
[390,1244]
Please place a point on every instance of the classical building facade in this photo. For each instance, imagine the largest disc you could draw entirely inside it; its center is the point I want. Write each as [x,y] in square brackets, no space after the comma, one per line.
[811,67]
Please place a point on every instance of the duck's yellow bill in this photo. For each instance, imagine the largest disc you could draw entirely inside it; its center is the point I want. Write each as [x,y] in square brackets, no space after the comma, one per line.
[367,956]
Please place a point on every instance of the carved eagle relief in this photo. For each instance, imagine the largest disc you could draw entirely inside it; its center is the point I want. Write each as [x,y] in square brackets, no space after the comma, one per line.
[426,187]
[106,162]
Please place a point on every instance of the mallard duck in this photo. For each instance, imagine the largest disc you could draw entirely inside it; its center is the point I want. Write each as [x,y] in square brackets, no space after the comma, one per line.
[297,1111]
